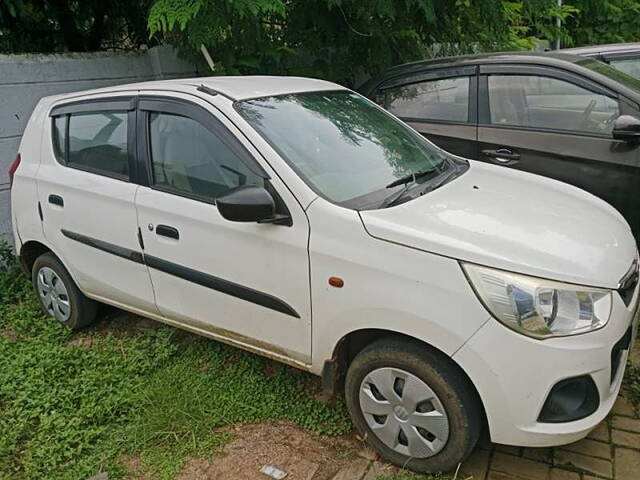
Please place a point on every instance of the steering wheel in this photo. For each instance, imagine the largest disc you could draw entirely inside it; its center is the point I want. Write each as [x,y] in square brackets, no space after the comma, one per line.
[584,118]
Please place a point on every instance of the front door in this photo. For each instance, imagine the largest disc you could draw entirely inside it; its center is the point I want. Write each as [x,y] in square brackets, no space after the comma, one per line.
[552,124]
[244,282]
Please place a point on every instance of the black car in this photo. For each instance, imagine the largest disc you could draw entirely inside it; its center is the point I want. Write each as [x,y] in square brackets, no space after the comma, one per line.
[623,56]
[572,118]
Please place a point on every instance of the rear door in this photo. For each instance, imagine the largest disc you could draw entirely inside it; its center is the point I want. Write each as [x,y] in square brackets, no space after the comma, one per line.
[440,104]
[553,123]
[86,193]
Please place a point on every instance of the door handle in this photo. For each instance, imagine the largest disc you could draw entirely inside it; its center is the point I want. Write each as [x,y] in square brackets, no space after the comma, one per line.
[502,155]
[167,231]
[56,200]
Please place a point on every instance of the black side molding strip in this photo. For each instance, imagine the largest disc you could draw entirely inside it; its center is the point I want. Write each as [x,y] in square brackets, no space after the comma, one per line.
[105,246]
[200,278]
[221,285]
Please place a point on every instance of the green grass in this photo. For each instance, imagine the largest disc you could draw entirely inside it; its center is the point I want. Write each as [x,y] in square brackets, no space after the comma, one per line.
[69,412]
[632,383]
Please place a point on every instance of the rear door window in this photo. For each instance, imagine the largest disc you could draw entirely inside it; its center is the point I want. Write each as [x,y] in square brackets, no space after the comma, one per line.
[98,142]
[93,141]
[445,99]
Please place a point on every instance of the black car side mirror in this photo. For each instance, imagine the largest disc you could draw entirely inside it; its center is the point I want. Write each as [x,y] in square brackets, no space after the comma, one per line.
[627,128]
[246,204]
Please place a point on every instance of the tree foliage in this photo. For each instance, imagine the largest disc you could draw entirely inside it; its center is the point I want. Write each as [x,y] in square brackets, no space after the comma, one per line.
[342,40]
[346,39]
[337,39]
[46,26]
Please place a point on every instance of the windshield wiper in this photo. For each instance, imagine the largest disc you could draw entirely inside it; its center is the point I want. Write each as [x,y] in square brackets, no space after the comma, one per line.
[408,180]
[412,177]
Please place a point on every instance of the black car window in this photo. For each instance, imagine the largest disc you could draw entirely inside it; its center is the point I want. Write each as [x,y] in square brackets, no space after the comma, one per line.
[630,66]
[549,103]
[444,99]
[190,159]
[97,142]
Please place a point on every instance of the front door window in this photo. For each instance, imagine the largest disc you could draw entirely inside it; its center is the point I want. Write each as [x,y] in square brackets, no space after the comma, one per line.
[539,102]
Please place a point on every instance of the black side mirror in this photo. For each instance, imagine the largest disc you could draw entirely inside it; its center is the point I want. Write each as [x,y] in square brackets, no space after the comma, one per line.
[246,204]
[627,128]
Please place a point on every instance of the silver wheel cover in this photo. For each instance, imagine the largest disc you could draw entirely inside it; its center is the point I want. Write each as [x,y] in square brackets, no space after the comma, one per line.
[404,413]
[53,294]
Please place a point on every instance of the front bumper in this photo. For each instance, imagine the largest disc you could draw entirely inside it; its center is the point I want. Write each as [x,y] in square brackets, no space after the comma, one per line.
[514,375]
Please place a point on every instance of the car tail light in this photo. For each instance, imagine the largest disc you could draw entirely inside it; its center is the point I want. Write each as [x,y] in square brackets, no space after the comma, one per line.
[12,169]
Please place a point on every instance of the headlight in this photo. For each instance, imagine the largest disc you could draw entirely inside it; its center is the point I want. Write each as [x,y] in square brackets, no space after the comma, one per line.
[537,307]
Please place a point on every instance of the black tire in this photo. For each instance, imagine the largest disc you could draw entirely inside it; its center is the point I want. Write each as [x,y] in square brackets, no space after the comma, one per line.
[82,310]
[443,377]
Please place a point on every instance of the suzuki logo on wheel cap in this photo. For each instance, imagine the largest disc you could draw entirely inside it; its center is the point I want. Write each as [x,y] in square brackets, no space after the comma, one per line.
[401,412]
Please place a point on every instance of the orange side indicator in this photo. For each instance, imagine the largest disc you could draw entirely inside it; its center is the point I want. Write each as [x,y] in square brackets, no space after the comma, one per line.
[336,282]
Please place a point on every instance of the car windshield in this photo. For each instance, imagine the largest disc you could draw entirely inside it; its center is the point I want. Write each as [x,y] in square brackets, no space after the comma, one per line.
[613,73]
[343,146]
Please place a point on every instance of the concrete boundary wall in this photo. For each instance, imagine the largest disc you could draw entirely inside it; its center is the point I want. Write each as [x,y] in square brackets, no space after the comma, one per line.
[24,79]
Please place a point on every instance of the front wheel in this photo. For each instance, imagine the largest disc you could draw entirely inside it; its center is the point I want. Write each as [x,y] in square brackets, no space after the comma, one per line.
[413,405]
[58,294]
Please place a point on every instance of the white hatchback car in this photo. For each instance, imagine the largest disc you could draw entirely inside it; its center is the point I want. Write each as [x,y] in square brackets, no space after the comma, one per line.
[296,219]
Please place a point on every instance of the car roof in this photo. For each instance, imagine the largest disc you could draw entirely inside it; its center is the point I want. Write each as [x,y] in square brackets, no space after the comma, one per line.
[550,58]
[572,63]
[235,88]
[600,49]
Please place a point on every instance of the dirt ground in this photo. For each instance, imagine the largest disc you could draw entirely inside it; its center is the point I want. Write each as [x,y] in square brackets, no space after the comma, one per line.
[303,455]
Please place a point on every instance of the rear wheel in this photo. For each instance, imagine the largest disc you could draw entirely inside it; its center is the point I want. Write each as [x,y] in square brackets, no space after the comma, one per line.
[413,405]
[58,294]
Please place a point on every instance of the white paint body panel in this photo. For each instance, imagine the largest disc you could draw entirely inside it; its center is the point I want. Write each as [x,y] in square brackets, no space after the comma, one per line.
[400,265]
[514,221]
[386,286]
[269,258]
[514,374]
[98,207]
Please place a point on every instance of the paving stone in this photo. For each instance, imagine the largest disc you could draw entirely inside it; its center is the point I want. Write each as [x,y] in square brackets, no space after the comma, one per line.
[508,449]
[634,356]
[493,475]
[353,471]
[476,465]
[588,464]
[539,454]
[591,448]
[627,464]
[559,474]
[623,407]
[624,423]
[601,432]
[519,467]
[627,439]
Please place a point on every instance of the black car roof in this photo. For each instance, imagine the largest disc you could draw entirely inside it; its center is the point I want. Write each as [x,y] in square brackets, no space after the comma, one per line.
[559,59]
[603,49]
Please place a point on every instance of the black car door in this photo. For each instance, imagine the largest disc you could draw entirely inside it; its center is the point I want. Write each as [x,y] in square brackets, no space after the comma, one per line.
[440,104]
[557,124]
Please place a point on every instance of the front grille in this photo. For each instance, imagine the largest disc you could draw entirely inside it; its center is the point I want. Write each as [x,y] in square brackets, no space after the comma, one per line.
[617,351]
